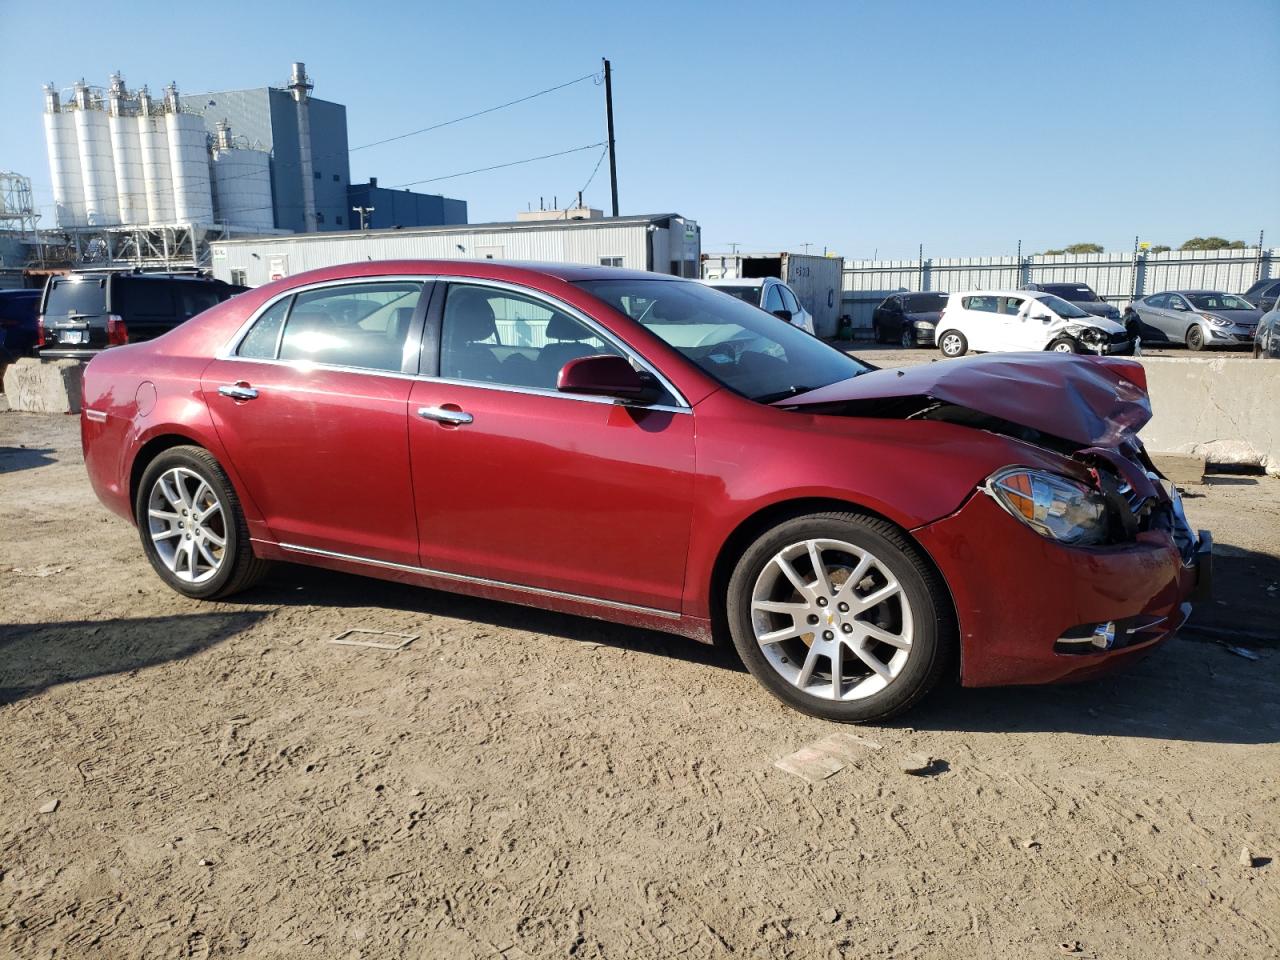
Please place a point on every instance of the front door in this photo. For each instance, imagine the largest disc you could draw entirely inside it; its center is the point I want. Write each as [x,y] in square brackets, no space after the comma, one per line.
[312,410]
[519,484]
[1026,323]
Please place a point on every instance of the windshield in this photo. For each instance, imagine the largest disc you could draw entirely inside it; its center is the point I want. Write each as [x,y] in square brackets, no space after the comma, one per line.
[749,295]
[744,348]
[1067,311]
[924,302]
[85,298]
[1218,301]
[1075,292]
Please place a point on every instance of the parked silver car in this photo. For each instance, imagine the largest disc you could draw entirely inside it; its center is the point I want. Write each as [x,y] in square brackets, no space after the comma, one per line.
[1267,343]
[1199,318]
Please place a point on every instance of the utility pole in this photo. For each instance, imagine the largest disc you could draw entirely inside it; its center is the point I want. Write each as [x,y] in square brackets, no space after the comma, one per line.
[806,247]
[364,212]
[613,157]
[733,247]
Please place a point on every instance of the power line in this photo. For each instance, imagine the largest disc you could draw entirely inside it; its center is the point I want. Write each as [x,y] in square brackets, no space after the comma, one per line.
[472,116]
[499,166]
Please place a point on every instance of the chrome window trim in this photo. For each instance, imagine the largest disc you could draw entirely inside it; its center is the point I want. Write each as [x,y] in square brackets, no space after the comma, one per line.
[481,581]
[228,350]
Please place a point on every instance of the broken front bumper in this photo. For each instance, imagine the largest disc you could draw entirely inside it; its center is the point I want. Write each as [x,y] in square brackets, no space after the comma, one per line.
[1018,596]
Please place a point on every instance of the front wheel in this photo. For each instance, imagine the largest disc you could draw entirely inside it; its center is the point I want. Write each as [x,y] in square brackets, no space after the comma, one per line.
[839,616]
[1063,345]
[953,344]
[908,337]
[192,528]
[1195,337]
[876,334]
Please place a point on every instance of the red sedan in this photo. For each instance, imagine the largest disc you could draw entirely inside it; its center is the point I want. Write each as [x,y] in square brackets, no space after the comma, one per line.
[644,449]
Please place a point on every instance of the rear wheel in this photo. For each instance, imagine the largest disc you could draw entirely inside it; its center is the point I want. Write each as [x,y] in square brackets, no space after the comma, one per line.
[192,527]
[1063,345]
[1195,337]
[953,344]
[839,616]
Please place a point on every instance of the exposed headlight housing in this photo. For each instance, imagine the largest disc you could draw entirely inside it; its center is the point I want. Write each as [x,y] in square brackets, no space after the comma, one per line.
[1054,507]
[1087,333]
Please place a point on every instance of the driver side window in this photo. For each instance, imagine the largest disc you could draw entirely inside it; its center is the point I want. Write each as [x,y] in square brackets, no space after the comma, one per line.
[497,336]
[1177,303]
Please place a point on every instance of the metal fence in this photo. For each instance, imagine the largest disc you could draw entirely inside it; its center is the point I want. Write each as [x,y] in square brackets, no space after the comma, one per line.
[1116,277]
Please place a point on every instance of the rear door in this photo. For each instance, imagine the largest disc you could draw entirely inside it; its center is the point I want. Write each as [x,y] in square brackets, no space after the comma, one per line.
[517,483]
[312,408]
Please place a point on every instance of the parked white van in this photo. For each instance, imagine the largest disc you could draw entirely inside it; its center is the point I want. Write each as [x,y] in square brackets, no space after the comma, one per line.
[996,321]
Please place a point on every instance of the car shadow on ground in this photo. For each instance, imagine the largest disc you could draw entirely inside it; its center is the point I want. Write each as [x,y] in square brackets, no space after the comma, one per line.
[13,459]
[35,656]
[296,585]
[1187,690]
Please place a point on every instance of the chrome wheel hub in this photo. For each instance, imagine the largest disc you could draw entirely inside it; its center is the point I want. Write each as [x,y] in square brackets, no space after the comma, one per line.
[951,344]
[187,524]
[832,619]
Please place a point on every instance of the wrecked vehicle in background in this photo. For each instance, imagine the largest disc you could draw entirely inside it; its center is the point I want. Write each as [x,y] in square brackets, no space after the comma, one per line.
[668,457]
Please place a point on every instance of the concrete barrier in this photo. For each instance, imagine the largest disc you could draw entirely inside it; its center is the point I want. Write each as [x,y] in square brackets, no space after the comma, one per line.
[1224,409]
[36,387]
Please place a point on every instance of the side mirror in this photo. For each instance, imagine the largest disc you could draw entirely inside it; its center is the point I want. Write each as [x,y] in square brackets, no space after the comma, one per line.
[607,376]
[786,315]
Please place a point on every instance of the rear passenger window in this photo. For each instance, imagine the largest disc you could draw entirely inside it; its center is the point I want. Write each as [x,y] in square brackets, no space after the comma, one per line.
[981,304]
[197,301]
[263,337]
[357,325]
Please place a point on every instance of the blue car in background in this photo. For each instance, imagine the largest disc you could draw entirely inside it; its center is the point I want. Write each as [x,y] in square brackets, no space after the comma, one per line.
[18,333]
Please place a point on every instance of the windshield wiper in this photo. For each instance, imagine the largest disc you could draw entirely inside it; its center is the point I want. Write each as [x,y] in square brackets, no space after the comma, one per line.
[783,394]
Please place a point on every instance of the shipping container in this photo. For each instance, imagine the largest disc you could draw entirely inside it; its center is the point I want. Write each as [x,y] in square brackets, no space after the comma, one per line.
[815,280]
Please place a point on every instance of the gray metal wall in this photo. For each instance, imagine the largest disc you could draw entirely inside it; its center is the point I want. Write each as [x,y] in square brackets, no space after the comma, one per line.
[1116,277]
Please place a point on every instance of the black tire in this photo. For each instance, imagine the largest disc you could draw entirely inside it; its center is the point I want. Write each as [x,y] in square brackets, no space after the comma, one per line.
[934,644]
[1195,338]
[952,343]
[876,333]
[239,568]
[1063,345]
[909,341]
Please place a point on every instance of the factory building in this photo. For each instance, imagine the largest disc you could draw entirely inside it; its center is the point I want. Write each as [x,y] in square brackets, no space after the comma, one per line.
[143,181]
[385,208]
[664,243]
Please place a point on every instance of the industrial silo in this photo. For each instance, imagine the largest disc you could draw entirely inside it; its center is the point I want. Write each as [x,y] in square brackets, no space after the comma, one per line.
[153,144]
[64,161]
[126,151]
[97,167]
[241,184]
[188,163]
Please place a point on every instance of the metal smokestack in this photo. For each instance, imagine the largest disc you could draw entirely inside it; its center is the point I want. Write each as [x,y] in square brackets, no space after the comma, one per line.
[300,86]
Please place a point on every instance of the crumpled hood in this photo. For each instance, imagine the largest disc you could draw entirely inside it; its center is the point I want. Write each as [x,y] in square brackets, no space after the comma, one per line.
[1096,401]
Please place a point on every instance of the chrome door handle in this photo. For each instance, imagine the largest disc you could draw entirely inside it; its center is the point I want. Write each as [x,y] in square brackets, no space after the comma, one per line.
[238,391]
[441,415]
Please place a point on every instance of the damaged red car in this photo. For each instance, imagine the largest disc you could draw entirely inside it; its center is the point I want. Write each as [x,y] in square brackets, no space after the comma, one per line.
[644,449]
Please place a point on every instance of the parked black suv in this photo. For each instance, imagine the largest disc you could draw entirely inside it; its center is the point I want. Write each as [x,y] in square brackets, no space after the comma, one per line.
[1081,295]
[1264,294]
[82,313]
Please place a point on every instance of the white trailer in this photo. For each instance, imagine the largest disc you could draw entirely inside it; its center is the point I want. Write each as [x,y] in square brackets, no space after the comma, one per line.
[815,279]
[664,243]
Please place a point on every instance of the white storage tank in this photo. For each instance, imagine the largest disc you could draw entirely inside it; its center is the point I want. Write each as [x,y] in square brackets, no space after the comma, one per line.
[188,163]
[64,161]
[241,184]
[131,191]
[153,144]
[97,166]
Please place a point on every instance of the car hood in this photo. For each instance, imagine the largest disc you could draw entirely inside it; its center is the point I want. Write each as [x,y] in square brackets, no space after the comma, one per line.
[1097,308]
[1102,323]
[924,316]
[1246,318]
[1095,401]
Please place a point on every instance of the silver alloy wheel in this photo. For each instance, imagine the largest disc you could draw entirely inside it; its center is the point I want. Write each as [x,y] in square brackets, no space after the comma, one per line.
[188,525]
[832,619]
[951,344]
[1064,347]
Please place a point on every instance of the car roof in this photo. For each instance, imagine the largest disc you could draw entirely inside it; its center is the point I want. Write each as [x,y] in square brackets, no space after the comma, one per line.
[1220,293]
[1033,294]
[514,270]
[104,274]
[739,281]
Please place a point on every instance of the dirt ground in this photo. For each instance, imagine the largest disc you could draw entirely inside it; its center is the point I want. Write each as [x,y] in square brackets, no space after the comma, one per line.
[521,784]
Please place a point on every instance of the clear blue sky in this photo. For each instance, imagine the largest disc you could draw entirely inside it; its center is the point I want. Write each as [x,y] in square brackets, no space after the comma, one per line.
[869,126]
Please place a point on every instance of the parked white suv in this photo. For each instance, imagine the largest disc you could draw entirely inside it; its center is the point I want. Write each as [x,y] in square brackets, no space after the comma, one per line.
[992,321]
[769,294]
